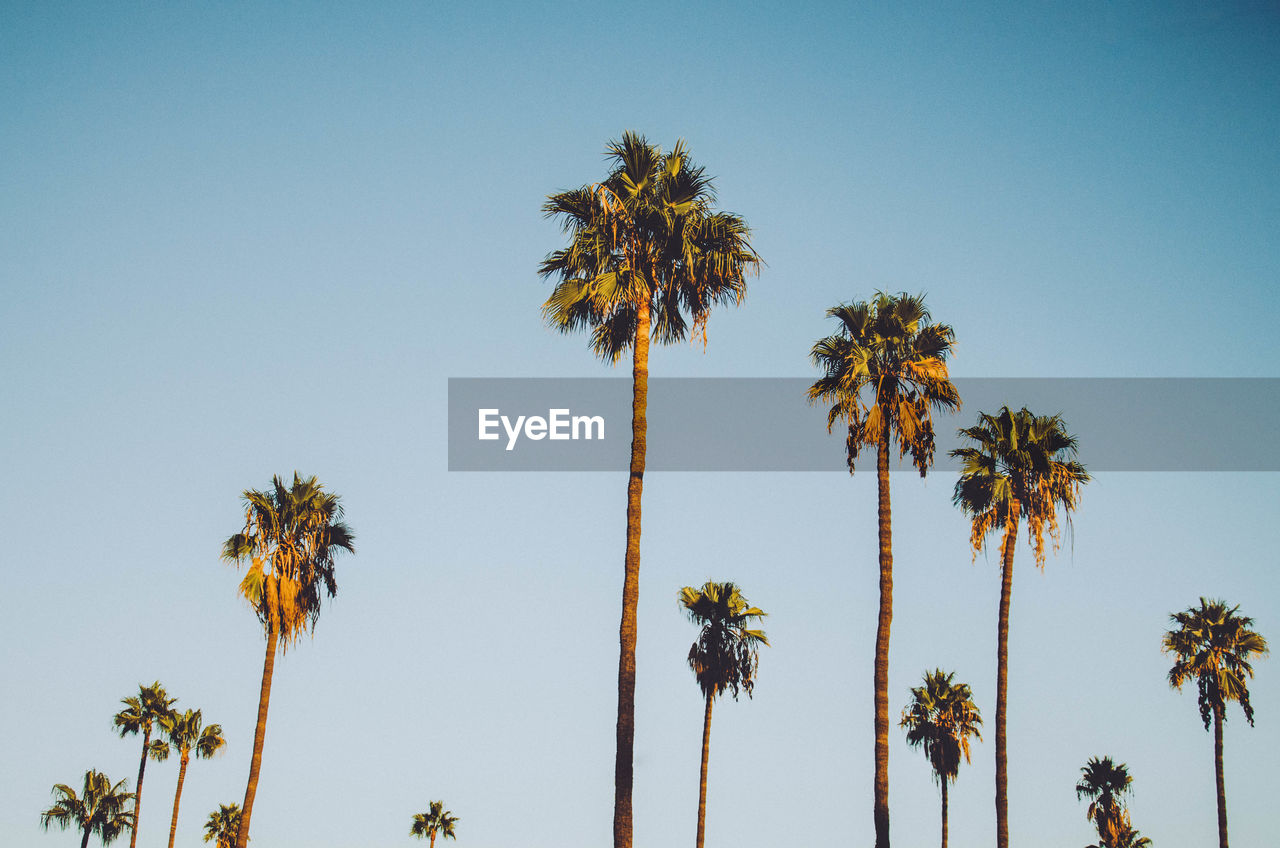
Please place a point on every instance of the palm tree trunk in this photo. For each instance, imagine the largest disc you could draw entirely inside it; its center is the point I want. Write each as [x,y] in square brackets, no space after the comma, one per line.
[88,828]
[1002,678]
[433,839]
[177,798]
[880,809]
[944,812]
[702,783]
[1222,787]
[622,771]
[259,734]
[137,795]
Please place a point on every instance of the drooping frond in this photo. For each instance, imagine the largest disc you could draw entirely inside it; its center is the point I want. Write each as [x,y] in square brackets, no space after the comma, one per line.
[222,826]
[437,821]
[100,808]
[726,654]
[1213,646]
[940,719]
[143,710]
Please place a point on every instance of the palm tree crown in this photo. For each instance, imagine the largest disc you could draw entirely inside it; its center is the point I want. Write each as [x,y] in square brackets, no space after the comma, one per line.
[940,719]
[1104,783]
[188,735]
[436,821]
[1213,646]
[645,238]
[100,808]
[725,656]
[222,826]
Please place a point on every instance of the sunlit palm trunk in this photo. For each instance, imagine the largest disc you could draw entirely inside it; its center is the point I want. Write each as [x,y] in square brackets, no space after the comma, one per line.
[177,798]
[137,796]
[1002,678]
[881,682]
[702,784]
[259,734]
[1222,786]
[944,812]
[622,773]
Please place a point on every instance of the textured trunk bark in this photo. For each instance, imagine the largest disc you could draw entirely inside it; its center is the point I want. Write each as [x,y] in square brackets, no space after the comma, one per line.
[1222,786]
[622,772]
[177,798]
[137,794]
[944,812]
[880,809]
[259,734]
[1002,679]
[702,783]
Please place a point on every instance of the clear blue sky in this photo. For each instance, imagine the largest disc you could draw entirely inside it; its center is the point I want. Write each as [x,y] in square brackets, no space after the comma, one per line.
[240,239]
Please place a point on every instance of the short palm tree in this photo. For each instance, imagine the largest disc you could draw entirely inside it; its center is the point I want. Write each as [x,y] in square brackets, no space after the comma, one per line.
[940,719]
[436,821]
[187,734]
[1021,466]
[724,658]
[290,539]
[1213,646]
[884,374]
[141,714]
[222,826]
[1119,833]
[1105,783]
[648,258]
[101,808]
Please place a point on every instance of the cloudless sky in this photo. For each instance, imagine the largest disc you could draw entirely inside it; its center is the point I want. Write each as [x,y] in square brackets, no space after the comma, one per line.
[241,239]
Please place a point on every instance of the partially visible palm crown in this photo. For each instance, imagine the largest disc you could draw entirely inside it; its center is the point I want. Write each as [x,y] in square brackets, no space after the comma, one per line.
[99,808]
[647,233]
[437,821]
[1021,465]
[1104,782]
[1213,646]
[188,734]
[725,656]
[940,719]
[223,825]
[290,538]
[884,373]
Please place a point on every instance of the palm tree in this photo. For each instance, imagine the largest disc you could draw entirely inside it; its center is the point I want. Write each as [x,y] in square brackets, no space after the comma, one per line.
[437,820]
[940,719]
[140,715]
[100,808]
[1213,647]
[724,658]
[647,259]
[223,825]
[1104,783]
[1119,833]
[886,349]
[291,536]
[1021,466]
[187,734]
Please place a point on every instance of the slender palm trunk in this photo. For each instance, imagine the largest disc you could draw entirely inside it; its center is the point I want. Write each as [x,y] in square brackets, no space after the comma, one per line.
[177,798]
[84,843]
[433,839]
[137,795]
[880,808]
[944,812]
[702,783]
[259,734]
[1002,678]
[1217,769]
[622,771]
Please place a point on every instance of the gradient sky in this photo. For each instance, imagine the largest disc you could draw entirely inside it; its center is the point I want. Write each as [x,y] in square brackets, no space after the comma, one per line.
[241,239]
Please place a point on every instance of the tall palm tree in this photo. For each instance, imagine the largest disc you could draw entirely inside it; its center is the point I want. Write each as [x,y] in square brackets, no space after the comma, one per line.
[140,715]
[187,734]
[437,820]
[100,808]
[1213,646]
[648,257]
[290,539]
[884,374]
[1021,466]
[1105,783]
[940,719]
[724,658]
[222,826]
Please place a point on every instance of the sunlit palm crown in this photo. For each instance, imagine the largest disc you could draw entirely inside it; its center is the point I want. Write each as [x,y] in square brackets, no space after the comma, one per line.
[100,807]
[187,734]
[223,825]
[725,656]
[647,233]
[1213,646]
[940,719]
[290,538]
[1104,782]
[437,821]
[142,711]
[1021,465]
[885,372]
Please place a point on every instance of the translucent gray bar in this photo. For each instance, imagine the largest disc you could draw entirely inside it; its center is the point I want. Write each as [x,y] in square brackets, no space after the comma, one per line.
[714,424]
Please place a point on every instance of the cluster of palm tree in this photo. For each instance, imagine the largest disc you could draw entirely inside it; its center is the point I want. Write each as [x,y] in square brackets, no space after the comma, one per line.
[647,259]
[101,807]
